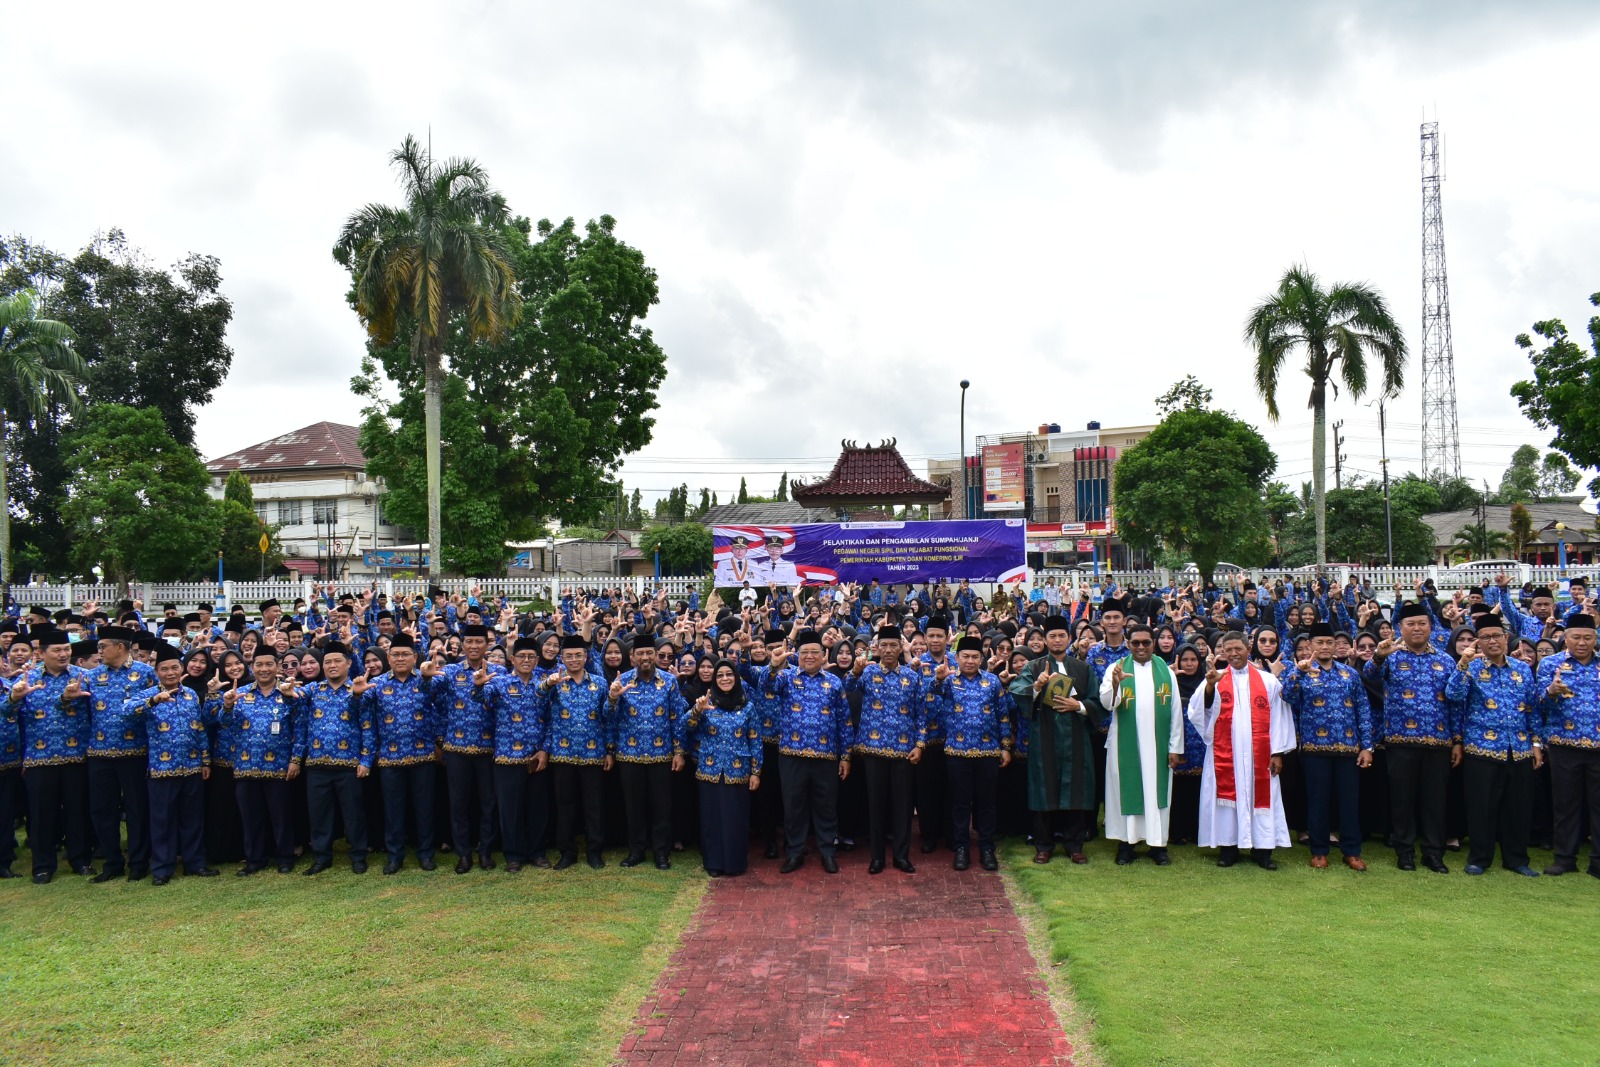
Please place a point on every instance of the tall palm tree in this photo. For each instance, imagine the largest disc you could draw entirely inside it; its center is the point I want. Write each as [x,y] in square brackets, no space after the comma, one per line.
[1338,328]
[440,258]
[1478,540]
[38,368]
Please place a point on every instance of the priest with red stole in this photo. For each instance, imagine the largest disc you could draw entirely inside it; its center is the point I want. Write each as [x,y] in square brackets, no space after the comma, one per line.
[1247,729]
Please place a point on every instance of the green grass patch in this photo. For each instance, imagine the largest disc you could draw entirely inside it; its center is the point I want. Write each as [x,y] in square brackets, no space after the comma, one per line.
[538,967]
[1190,964]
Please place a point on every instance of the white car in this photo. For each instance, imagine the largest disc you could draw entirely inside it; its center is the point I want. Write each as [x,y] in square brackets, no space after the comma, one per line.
[1488,564]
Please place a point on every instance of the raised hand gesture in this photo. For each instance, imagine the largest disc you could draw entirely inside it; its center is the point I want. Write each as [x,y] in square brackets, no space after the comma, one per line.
[1213,673]
[616,690]
[1040,682]
[941,672]
[1117,673]
[359,683]
[481,678]
[73,691]
[163,696]
[1306,666]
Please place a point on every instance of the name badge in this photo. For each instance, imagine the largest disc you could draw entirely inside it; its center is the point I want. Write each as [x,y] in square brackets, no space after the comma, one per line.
[275,727]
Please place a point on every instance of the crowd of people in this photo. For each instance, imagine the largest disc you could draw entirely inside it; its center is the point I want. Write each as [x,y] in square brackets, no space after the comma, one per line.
[819,719]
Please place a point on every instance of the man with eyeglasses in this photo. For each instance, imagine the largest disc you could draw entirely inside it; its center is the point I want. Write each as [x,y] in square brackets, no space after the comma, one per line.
[1144,744]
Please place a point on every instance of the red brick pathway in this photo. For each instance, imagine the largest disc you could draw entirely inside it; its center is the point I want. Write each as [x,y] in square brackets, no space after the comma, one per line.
[845,970]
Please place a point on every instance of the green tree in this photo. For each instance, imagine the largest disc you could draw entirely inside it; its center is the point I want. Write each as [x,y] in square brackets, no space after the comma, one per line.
[137,504]
[1357,532]
[685,547]
[1195,485]
[705,501]
[439,269]
[38,369]
[1337,328]
[1282,506]
[783,488]
[1556,477]
[1521,528]
[1564,392]
[241,530]
[1187,395]
[1479,541]
[744,492]
[1520,482]
[636,511]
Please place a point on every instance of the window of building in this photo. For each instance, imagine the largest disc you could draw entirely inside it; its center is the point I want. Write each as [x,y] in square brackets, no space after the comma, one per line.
[289,512]
[261,510]
[325,511]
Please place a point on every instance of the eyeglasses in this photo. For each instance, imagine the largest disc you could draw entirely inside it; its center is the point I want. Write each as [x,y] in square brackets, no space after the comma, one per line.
[1140,644]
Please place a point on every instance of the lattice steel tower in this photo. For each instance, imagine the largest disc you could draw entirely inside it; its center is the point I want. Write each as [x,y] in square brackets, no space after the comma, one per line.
[1441,439]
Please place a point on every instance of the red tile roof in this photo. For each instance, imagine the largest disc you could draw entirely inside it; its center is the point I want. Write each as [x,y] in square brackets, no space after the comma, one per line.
[322,444]
[874,474]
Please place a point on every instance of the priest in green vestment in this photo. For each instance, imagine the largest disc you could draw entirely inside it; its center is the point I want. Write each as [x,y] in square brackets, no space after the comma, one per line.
[1140,695]
[1058,695]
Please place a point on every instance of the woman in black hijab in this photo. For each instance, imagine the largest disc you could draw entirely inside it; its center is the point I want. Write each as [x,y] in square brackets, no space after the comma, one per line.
[1190,670]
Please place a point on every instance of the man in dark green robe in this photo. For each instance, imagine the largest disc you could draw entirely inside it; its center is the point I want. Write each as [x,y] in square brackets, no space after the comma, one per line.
[1062,789]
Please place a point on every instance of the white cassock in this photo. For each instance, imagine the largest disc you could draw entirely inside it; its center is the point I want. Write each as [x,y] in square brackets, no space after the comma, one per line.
[1147,827]
[1242,824]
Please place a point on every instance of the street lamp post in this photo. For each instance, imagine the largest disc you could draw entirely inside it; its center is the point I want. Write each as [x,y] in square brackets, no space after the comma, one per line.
[964,491]
[1561,546]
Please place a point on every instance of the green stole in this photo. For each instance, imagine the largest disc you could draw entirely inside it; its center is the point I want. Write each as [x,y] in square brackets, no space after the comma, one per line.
[1130,771]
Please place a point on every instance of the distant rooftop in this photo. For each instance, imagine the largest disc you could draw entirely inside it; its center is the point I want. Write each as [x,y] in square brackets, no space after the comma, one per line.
[783,513]
[322,444]
[869,474]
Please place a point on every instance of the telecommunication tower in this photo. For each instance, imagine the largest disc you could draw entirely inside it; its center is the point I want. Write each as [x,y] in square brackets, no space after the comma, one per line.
[1441,438]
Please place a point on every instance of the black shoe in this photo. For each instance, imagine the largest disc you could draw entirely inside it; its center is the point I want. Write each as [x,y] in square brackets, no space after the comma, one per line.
[7,872]
[464,864]
[596,860]
[204,872]
[513,867]
[1125,854]
[771,851]
[392,867]
[43,877]
[633,860]
[663,861]
[541,861]
[905,865]
[876,866]
[1405,862]
[830,865]
[1263,858]
[1160,858]
[161,879]
[247,870]
[713,873]
[1435,865]
[1228,856]
[138,874]
[427,864]
[987,860]
[486,860]
[792,864]
[318,867]
[566,861]
[287,867]
[963,859]
[1557,869]
[358,866]
[929,846]
[85,871]
[105,876]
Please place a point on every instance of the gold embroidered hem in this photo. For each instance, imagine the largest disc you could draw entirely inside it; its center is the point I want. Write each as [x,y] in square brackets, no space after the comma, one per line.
[644,759]
[331,761]
[579,761]
[1402,740]
[892,753]
[175,774]
[279,773]
[1320,749]
[404,761]
[1499,755]
[119,753]
[807,753]
[52,761]
[722,779]
[470,750]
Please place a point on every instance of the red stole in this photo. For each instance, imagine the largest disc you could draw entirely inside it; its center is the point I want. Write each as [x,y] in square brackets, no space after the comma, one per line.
[1260,741]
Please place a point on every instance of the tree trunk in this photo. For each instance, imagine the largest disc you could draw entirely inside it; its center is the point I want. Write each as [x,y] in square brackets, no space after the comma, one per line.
[5,522]
[1319,453]
[433,387]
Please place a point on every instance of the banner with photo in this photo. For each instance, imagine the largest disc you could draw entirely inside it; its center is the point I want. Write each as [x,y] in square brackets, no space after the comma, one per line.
[979,550]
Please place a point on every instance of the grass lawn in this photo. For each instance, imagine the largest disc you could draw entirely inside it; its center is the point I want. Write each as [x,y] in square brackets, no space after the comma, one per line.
[1195,965]
[537,967]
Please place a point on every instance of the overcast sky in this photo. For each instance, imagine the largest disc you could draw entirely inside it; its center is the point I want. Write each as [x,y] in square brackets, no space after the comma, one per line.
[853,206]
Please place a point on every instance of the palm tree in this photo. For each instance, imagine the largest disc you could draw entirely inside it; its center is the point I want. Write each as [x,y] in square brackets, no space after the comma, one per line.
[421,265]
[38,367]
[1478,541]
[1338,327]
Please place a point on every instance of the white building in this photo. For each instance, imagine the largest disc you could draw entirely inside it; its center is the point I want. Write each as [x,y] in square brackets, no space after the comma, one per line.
[313,484]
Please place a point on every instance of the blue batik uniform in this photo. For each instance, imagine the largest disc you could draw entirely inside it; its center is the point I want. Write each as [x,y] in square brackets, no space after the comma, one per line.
[813,714]
[892,710]
[402,718]
[935,700]
[263,735]
[1332,714]
[1101,656]
[763,695]
[468,725]
[1570,721]
[1497,709]
[518,710]
[978,722]
[579,724]
[179,743]
[113,732]
[336,730]
[1526,625]
[727,744]
[647,718]
[53,732]
[10,741]
[1416,706]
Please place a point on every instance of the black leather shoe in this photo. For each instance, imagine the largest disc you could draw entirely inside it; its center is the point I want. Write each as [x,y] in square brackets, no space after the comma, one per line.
[929,846]
[1594,869]
[1160,857]
[963,860]
[246,871]
[286,867]
[1437,866]
[138,874]
[105,876]
[566,861]
[771,851]
[427,864]
[85,871]
[204,872]
[1125,854]
[541,861]
[1263,858]
[43,877]
[1406,863]
[792,864]
[987,860]
[633,860]
[1228,856]
[464,864]
[875,867]
[1556,870]
[830,865]
[318,867]
[905,865]
[161,879]
[392,867]
[358,866]
[663,861]
[486,860]
[597,860]
[7,872]
[513,867]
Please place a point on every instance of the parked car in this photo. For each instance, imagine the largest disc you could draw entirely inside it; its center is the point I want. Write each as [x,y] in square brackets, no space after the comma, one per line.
[1488,564]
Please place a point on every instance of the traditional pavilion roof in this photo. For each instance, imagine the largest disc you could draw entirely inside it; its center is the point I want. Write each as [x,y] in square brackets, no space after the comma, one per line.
[870,474]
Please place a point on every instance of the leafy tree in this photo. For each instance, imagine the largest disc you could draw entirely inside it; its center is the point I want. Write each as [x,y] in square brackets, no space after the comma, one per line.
[1564,393]
[1195,485]
[1282,506]
[636,511]
[1521,525]
[1480,541]
[242,528]
[685,547]
[137,503]
[705,501]
[783,488]
[439,269]
[1357,532]
[1187,395]
[1556,477]
[1520,482]
[1337,328]
[744,492]
[38,368]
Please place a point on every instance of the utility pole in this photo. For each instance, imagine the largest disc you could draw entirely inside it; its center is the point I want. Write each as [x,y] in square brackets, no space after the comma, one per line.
[1338,455]
[964,384]
[1383,452]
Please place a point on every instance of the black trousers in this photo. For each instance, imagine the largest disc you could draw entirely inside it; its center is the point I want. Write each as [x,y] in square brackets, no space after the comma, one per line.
[769,797]
[1073,824]
[1575,785]
[117,788]
[725,826]
[524,806]
[264,808]
[10,783]
[1499,807]
[810,802]
[1184,827]
[465,775]
[1329,778]
[1375,795]
[580,790]
[974,782]
[326,787]
[224,831]
[58,803]
[1419,776]
[177,824]
[413,781]
[890,787]
[647,800]
[933,794]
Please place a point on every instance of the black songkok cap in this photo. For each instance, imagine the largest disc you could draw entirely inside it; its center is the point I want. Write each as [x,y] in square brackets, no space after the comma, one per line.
[1413,609]
[1580,622]
[1320,629]
[970,644]
[807,637]
[574,641]
[888,633]
[165,652]
[1056,622]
